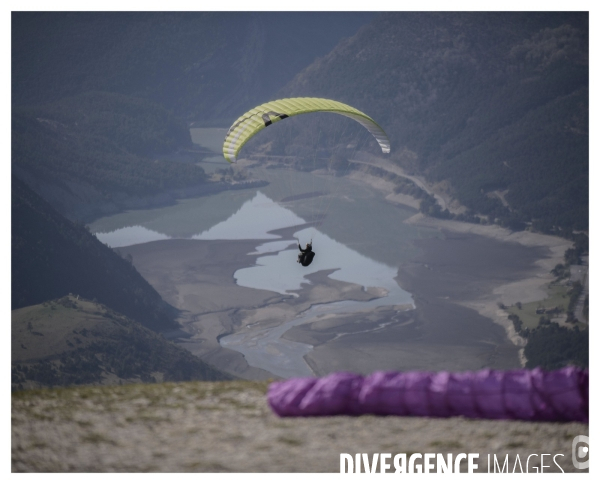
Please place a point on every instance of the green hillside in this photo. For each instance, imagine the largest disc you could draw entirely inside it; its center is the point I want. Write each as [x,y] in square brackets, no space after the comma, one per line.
[489,101]
[52,256]
[72,341]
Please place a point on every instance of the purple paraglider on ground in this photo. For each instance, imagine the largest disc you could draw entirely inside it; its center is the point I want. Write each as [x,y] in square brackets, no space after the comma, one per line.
[558,395]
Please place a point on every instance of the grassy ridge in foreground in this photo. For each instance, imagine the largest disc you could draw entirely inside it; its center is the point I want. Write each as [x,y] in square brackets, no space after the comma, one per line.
[70,341]
[228,427]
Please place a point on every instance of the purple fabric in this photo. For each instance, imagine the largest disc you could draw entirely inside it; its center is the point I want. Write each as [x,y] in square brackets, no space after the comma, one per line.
[559,395]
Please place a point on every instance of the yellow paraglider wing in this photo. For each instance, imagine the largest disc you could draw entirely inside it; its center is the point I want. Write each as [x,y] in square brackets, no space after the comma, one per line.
[250,123]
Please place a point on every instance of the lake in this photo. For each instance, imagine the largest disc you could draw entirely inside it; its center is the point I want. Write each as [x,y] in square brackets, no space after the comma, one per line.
[358,236]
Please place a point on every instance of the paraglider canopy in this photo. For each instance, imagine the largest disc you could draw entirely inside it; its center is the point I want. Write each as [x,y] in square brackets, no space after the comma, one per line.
[258,118]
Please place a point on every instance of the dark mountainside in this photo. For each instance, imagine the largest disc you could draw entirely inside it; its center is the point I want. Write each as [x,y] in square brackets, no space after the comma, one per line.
[102,101]
[52,257]
[204,66]
[492,102]
[71,341]
[96,153]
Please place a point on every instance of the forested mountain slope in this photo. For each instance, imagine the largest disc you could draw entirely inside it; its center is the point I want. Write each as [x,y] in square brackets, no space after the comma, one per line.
[94,152]
[492,102]
[52,257]
[102,101]
[205,66]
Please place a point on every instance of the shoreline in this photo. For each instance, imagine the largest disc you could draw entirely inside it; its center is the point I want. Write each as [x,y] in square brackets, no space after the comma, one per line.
[529,289]
[98,207]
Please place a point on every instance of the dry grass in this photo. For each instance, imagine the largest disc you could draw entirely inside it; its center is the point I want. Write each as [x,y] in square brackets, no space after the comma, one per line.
[228,427]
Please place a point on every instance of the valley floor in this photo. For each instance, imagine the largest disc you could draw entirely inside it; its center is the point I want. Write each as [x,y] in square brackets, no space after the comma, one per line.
[457,284]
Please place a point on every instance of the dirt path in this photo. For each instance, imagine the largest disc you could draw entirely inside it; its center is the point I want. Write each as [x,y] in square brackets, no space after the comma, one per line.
[442,198]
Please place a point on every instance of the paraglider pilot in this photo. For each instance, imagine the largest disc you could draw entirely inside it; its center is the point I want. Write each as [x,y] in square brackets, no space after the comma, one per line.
[305,257]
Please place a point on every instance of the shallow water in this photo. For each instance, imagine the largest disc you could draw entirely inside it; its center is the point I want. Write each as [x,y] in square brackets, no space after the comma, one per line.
[350,212]
[264,347]
[276,268]
[278,271]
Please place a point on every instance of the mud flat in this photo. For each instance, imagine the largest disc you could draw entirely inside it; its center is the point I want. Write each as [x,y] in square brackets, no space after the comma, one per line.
[196,277]
[533,278]
[456,282]
[530,286]
[456,279]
